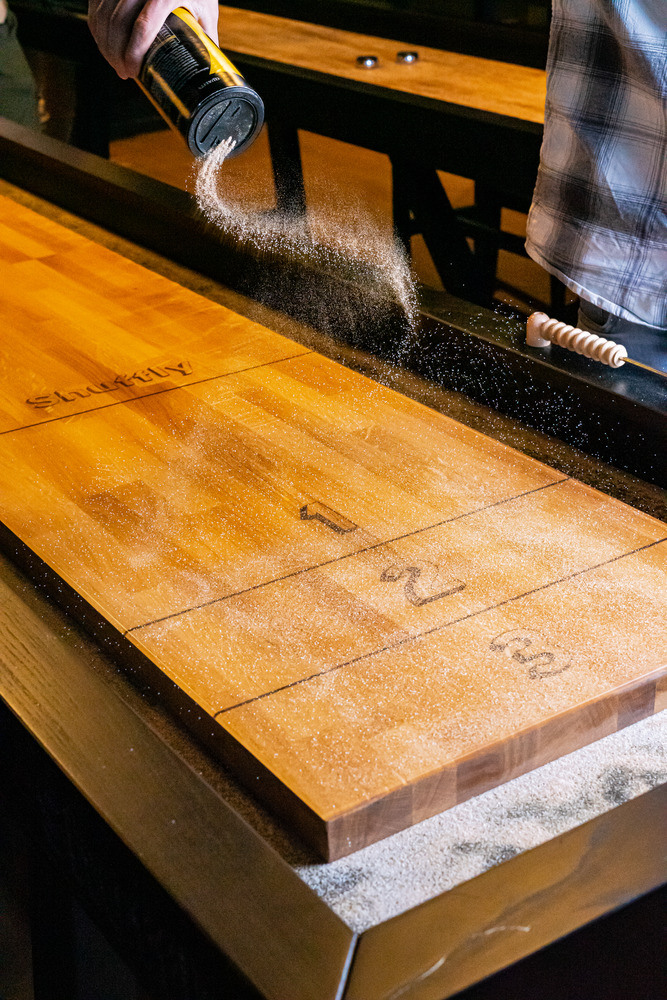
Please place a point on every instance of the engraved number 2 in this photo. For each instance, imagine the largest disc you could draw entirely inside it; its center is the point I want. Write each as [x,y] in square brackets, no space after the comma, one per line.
[420,573]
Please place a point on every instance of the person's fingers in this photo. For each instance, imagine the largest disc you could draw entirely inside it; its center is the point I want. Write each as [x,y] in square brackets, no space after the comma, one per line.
[152,17]
[125,29]
[111,23]
[147,23]
[207,13]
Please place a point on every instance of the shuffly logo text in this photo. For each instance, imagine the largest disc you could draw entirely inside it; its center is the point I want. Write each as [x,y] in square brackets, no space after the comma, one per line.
[152,374]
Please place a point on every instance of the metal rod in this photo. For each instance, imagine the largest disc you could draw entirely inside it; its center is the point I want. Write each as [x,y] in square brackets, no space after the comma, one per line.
[656,371]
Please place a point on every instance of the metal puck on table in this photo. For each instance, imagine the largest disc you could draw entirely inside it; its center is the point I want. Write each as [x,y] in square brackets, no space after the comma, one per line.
[368,62]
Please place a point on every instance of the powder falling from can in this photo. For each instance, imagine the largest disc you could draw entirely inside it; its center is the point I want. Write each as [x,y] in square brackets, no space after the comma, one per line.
[357,246]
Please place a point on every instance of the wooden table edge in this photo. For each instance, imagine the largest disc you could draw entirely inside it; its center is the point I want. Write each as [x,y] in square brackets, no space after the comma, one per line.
[53,680]
[54,659]
[515,908]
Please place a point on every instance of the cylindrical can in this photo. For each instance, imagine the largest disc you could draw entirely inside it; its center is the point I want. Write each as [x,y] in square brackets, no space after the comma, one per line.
[196,88]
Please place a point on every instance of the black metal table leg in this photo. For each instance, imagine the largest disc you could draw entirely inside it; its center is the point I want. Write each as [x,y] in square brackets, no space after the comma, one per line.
[488,210]
[418,191]
[286,162]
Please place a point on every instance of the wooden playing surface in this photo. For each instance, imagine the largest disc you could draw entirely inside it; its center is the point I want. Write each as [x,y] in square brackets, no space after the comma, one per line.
[379,611]
[483,84]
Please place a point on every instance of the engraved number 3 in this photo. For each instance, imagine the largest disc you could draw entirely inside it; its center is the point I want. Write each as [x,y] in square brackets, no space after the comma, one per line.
[545,660]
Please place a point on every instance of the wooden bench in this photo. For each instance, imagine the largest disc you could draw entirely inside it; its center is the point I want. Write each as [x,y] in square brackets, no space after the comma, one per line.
[474,117]
[479,118]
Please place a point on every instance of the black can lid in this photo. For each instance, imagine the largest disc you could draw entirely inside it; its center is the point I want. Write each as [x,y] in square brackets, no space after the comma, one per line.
[233,116]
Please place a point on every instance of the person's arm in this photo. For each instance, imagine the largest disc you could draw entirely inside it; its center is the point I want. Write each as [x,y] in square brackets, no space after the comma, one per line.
[125,29]
[3,11]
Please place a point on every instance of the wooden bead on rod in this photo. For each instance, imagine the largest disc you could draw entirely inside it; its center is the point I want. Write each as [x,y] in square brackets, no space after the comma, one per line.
[541,331]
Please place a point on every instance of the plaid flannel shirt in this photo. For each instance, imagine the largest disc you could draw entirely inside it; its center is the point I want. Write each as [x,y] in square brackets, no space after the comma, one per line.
[599,215]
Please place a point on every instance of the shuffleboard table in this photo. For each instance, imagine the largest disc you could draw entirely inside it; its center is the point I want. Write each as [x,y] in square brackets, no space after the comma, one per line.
[480,118]
[366,608]
[371,610]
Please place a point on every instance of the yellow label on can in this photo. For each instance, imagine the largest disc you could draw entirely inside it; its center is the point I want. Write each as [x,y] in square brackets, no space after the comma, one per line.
[219,62]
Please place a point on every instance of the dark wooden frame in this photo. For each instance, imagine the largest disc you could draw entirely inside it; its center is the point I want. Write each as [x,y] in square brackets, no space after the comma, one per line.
[210,904]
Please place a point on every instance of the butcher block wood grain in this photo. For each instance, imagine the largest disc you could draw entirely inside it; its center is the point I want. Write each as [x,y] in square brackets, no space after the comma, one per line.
[370,610]
[83,328]
[463,706]
[483,84]
[187,497]
[386,596]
